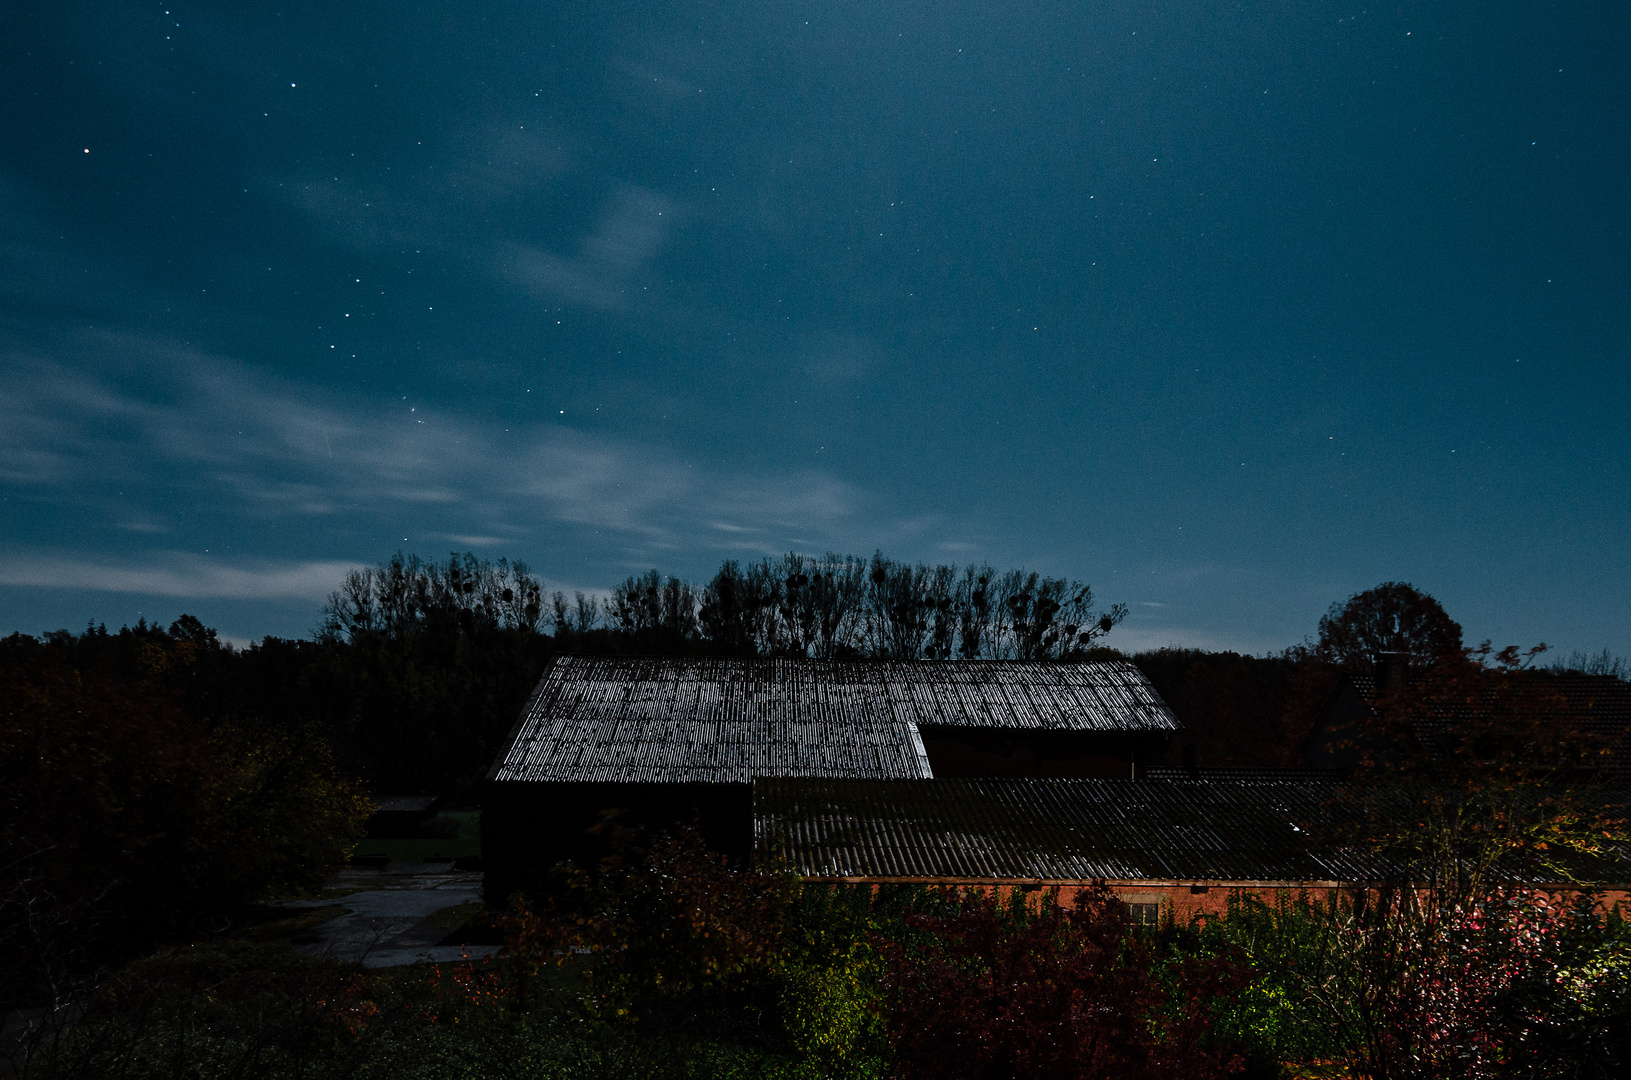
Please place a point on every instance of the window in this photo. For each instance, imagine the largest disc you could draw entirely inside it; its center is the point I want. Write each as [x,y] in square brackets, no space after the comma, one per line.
[1144,914]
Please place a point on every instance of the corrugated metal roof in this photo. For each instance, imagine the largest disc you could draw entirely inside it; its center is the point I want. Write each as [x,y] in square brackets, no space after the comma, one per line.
[681,719]
[1060,830]
[1084,830]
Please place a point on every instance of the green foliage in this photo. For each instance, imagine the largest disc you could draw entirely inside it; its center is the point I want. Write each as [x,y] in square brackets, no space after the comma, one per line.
[672,941]
[291,815]
[816,991]
[1302,1003]
[1033,987]
[829,981]
[1569,1012]
[247,1007]
[1505,983]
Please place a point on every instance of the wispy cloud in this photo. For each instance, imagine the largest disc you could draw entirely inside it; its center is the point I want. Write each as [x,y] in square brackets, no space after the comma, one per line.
[149,415]
[475,541]
[501,168]
[177,574]
[506,169]
[629,233]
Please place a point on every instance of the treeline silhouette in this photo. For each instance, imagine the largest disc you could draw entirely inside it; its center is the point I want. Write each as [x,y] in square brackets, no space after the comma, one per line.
[830,607]
[154,780]
[419,667]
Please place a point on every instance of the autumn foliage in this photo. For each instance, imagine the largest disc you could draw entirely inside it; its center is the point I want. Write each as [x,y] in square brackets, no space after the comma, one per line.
[1049,991]
[667,922]
[940,984]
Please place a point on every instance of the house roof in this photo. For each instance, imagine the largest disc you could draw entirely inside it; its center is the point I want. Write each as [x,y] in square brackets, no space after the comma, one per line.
[1058,830]
[688,719]
[1598,704]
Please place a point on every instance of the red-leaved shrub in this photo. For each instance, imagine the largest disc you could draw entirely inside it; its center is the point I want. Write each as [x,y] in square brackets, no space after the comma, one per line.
[1050,991]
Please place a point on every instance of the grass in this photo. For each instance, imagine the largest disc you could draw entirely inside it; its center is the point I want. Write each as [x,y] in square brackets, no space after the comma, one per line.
[453,918]
[264,942]
[467,842]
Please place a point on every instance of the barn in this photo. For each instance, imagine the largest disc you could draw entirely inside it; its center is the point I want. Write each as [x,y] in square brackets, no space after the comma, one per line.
[612,742]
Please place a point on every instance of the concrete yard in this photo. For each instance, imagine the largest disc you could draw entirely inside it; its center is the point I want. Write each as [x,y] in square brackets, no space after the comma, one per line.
[385,921]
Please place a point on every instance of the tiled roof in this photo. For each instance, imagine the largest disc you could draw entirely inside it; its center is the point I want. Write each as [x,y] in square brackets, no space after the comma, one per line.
[1599,704]
[727,721]
[1061,830]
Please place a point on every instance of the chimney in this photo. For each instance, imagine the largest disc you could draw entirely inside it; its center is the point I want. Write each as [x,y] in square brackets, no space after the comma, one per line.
[1392,670]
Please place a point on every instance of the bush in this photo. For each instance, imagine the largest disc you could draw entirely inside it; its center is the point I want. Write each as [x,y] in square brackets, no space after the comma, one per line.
[1044,990]
[1507,982]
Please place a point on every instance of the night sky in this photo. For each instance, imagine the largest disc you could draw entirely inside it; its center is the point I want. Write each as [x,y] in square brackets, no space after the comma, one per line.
[1231,311]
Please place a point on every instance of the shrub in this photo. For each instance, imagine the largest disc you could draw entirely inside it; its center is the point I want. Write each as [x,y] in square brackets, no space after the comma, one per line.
[1044,990]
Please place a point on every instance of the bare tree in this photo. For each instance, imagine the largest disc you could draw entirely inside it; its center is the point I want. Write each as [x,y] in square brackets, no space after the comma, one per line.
[940,599]
[1039,618]
[408,591]
[896,609]
[837,586]
[733,608]
[975,614]
[576,616]
[843,605]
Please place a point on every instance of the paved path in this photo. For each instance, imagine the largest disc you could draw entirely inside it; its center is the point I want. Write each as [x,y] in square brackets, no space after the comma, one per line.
[385,923]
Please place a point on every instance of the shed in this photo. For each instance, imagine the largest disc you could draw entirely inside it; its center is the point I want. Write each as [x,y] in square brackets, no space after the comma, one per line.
[1183,844]
[1174,832]
[399,817]
[606,741]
